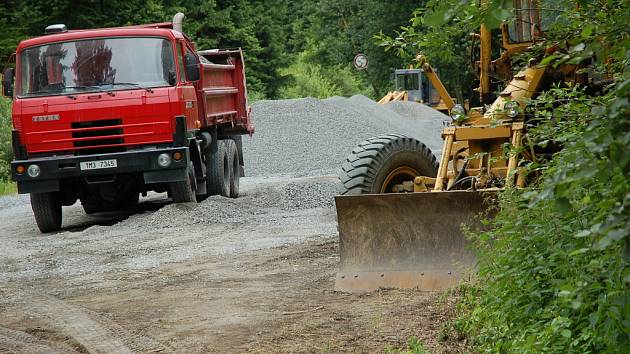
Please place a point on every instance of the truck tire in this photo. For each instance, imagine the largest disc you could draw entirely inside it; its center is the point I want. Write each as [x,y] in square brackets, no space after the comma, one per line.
[91,206]
[235,167]
[379,163]
[218,170]
[184,191]
[239,145]
[47,210]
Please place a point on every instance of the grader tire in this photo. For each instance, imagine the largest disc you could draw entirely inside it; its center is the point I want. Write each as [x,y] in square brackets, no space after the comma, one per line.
[47,210]
[380,162]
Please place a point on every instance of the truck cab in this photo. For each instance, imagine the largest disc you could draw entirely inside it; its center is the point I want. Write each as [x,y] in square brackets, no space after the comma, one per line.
[105,115]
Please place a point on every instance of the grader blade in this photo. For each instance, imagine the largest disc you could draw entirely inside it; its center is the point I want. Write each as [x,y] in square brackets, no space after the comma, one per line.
[410,240]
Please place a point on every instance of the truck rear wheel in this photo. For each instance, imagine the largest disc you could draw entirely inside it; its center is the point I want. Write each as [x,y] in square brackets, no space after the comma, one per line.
[47,210]
[377,164]
[235,167]
[218,170]
[184,191]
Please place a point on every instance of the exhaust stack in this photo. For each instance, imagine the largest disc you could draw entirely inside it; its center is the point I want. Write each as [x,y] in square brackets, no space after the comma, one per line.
[178,21]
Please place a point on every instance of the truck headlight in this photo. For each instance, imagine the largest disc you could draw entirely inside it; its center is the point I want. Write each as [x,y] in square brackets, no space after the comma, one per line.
[511,108]
[164,160]
[33,171]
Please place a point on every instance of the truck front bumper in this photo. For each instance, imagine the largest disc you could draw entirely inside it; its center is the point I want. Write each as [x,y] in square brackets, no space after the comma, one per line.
[55,168]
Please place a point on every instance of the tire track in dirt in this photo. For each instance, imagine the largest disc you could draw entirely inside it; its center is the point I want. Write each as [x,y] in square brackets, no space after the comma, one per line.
[93,332]
[12,341]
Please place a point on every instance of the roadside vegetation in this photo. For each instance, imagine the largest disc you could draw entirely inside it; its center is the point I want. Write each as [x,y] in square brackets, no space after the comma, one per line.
[553,267]
[6,151]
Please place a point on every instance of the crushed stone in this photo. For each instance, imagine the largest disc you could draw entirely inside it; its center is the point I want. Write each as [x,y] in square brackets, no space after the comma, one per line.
[310,137]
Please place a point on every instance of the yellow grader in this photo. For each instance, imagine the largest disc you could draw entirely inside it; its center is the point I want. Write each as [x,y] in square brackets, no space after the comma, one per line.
[402,212]
[419,84]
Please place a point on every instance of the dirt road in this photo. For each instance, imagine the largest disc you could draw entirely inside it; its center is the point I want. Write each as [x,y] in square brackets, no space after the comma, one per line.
[253,274]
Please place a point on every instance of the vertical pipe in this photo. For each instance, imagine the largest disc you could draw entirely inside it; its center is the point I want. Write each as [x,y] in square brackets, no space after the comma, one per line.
[517,130]
[446,156]
[484,62]
[178,20]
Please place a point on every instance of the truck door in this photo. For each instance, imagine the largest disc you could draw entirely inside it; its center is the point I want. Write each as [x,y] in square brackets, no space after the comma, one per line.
[189,94]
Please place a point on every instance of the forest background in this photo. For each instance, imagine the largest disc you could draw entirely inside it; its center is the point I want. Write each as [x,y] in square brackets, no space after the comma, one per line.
[292,48]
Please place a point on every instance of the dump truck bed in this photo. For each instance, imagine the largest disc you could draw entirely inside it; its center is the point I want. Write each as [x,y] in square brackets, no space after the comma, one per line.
[223,91]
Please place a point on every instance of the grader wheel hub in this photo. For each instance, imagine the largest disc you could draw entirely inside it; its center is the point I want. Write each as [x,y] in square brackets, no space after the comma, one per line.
[398,176]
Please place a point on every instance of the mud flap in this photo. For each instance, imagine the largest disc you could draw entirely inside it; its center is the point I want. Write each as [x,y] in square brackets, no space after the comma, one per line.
[409,240]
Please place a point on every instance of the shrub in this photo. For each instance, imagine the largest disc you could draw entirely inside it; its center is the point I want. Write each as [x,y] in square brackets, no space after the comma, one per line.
[307,79]
[553,273]
[6,150]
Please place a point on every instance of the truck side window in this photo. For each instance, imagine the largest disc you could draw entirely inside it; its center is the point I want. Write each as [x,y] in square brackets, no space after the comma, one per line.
[180,61]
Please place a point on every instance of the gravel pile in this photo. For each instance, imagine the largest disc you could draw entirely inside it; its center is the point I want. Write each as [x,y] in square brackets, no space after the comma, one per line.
[253,205]
[310,137]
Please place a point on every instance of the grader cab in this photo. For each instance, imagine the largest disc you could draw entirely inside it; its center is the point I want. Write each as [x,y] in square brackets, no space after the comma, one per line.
[412,84]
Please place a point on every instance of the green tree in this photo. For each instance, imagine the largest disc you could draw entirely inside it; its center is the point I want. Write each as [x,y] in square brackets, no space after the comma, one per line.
[338,30]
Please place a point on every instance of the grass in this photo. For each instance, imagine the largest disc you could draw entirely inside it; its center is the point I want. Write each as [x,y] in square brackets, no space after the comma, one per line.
[8,188]
[414,346]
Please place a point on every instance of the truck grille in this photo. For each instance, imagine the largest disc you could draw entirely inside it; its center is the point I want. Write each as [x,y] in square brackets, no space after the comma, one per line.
[100,132]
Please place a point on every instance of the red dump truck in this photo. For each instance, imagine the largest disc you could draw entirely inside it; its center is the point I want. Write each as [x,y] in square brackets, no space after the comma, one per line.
[105,115]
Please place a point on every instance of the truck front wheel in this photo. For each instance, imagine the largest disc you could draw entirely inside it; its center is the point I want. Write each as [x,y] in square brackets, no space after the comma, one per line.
[184,191]
[47,210]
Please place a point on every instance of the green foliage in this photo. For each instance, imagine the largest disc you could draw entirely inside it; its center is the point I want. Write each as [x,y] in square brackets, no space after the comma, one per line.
[7,187]
[256,26]
[334,31]
[307,79]
[6,150]
[553,269]
[253,96]
[552,273]
[271,32]
[440,31]
[414,346]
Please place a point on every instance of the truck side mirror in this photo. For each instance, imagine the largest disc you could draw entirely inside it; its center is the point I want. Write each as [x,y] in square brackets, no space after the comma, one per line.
[192,67]
[7,82]
[172,77]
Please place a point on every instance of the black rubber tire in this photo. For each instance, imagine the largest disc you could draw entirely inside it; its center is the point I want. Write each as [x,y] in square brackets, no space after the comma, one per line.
[369,164]
[218,171]
[91,206]
[47,210]
[184,191]
[235,167]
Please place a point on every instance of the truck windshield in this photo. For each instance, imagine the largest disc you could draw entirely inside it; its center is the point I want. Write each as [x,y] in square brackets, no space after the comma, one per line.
[101,64]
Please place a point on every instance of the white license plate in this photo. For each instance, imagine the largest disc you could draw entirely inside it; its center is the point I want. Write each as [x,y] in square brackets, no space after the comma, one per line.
[95,165]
